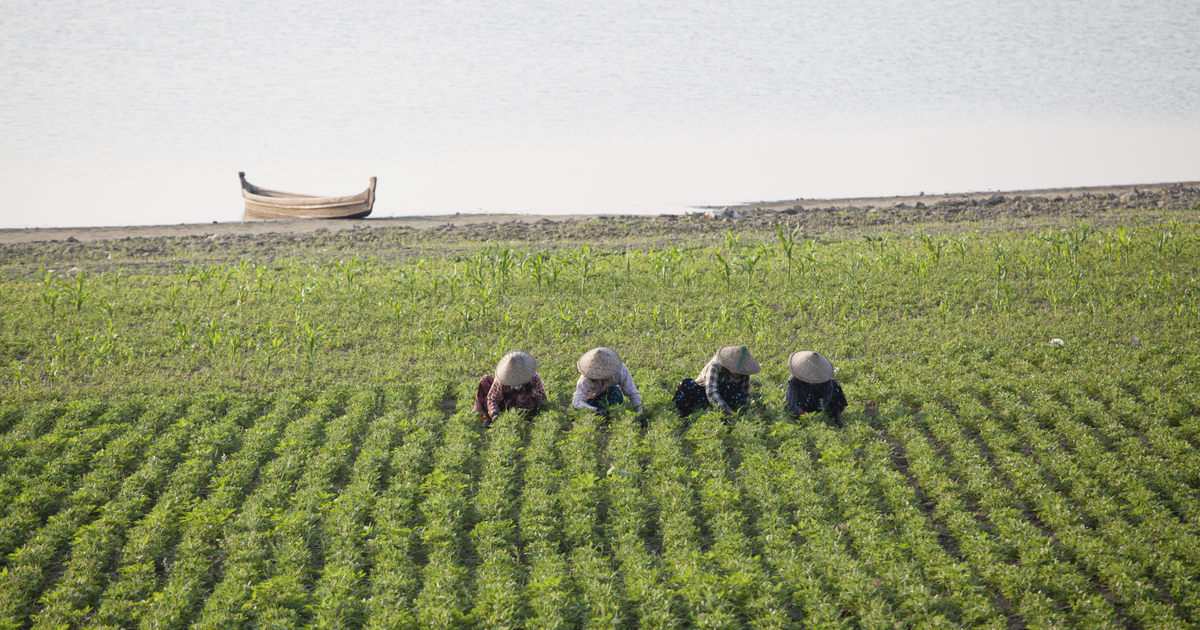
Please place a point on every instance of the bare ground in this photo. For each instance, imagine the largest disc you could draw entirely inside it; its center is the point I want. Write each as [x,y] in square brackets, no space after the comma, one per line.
[26,251]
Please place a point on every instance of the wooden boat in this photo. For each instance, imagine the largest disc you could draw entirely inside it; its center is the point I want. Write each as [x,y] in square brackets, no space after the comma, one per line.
[273,204]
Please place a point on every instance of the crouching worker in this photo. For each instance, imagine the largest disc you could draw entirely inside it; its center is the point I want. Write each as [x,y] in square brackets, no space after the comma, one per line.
[811,388]
[515,386]
[604,382]
[724,383]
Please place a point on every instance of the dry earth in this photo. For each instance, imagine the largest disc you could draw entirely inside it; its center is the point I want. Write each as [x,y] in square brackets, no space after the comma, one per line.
[27,250]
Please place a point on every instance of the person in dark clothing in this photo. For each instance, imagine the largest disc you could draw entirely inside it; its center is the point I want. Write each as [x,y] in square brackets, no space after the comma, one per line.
[812,388]
[724,383]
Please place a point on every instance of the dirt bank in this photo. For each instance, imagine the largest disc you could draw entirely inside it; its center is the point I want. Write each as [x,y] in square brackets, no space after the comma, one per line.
[816,214]
[25,252]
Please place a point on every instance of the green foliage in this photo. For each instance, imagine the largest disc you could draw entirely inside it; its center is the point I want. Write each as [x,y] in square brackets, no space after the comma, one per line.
[1019,448]
[870,303]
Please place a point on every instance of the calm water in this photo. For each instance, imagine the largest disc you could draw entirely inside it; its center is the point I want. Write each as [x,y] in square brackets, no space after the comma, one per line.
[118,113]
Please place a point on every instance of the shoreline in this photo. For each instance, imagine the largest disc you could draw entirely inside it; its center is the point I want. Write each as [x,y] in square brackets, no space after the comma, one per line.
[308,226]
[1077,192]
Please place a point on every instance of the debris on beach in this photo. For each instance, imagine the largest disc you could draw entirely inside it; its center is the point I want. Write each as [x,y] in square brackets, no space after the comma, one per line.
[724,214]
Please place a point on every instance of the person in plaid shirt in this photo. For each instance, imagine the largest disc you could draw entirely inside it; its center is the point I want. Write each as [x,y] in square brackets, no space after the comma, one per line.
[724,383]
[515,386]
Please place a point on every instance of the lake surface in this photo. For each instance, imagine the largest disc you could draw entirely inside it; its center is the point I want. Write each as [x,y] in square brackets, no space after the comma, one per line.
[116,113]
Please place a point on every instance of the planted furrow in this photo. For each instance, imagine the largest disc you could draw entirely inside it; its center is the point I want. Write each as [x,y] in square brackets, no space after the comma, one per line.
[548,589]
[497,601]
[443,601]
[394,548]
[596,579]
[757,597]
[24,438]
[762,476]
[703,594]
[1174,404]
[872,539]
[245,544]
[55,471]
[829,536]
[1145,489]
[1092,471]
[9,415]
[945,590]
[1128,557]
[1026,542]
[1070,530]
[433,392]
[86,569]
[1164,461]
[994,558]
[1127,416]
[146,554]
[1171,463]
[650,601]
[197,556]
[1153,508]
[340,594]
[25,573]
[293,567]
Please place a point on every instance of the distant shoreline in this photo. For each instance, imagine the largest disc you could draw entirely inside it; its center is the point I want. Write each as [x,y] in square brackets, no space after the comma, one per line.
[303,226]
[1065,192]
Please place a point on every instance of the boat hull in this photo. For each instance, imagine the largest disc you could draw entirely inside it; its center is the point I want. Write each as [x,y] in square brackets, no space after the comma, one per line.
[262,203]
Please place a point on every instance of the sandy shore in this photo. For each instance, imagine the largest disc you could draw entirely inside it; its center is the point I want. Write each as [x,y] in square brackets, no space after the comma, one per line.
[304,226]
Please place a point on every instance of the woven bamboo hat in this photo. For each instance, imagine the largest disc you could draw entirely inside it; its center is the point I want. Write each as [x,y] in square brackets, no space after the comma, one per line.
[516,368]
[810,367]
[737,359]
[599,363]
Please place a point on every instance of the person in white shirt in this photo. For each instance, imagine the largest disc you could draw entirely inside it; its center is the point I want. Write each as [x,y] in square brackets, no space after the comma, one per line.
[604,382]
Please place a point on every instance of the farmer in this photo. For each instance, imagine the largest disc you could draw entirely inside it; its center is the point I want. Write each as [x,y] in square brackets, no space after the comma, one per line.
[604,382]
[812,388]
[516,385]
[724,383]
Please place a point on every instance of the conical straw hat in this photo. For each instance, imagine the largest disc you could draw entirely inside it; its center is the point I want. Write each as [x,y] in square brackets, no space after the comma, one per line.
[516,368]
[737,359]
[599,363]
[810,367]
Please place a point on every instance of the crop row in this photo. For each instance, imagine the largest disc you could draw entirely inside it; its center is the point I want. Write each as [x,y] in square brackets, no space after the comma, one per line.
[394,542]
[40,537]
[41,479]
[241,591]
[147,551]
[389,510]
[548,587]
[1112,523]
[497,597]
[1024,490]
[196,556]
[443,598]
[89,560]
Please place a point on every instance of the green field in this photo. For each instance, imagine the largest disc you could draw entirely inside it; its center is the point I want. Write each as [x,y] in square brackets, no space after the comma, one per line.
[284,439]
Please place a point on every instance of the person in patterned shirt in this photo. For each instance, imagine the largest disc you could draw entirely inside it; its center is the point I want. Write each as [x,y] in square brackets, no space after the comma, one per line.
[724,383]
[812,388]
[515,386]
